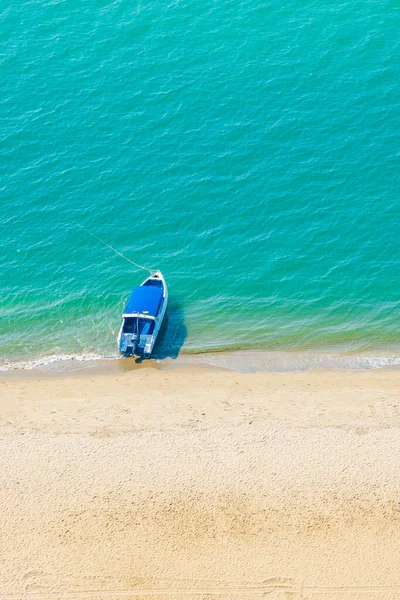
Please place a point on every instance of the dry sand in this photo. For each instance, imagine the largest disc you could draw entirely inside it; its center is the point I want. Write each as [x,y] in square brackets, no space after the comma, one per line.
[213,485]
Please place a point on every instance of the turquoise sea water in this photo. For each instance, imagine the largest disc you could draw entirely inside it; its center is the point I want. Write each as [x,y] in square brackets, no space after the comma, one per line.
[249,150]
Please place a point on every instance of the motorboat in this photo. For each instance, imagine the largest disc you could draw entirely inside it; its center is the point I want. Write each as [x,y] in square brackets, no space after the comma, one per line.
[143,316]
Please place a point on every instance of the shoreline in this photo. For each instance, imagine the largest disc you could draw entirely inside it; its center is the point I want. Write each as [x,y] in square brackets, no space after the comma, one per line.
[245,361]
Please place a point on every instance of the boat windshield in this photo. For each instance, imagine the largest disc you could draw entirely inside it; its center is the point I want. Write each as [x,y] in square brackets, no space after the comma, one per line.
[138,325]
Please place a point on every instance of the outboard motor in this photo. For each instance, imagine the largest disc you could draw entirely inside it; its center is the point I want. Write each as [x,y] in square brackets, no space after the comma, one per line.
[131,347]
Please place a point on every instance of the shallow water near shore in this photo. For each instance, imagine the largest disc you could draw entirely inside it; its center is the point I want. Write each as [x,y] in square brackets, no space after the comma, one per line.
[248,151]
[248,361]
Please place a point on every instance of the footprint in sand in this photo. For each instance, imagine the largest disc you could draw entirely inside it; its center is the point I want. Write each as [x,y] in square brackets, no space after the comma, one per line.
[279,588]
[278,582]
[34,580]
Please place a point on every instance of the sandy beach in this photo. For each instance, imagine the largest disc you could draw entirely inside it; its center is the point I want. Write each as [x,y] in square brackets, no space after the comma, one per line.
[199,484]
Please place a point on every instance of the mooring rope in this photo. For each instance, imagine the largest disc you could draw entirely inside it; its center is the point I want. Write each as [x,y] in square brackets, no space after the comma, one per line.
[116,251]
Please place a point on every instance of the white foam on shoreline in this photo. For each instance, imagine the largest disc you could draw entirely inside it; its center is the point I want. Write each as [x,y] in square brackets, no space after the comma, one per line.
[250,361]
[56,361]
[246,361]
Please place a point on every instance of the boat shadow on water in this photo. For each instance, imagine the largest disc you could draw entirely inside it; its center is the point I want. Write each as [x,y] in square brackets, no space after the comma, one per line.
[172,334]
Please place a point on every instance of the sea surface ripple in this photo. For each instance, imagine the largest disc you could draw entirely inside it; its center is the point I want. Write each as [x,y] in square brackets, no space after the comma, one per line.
[248,150]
